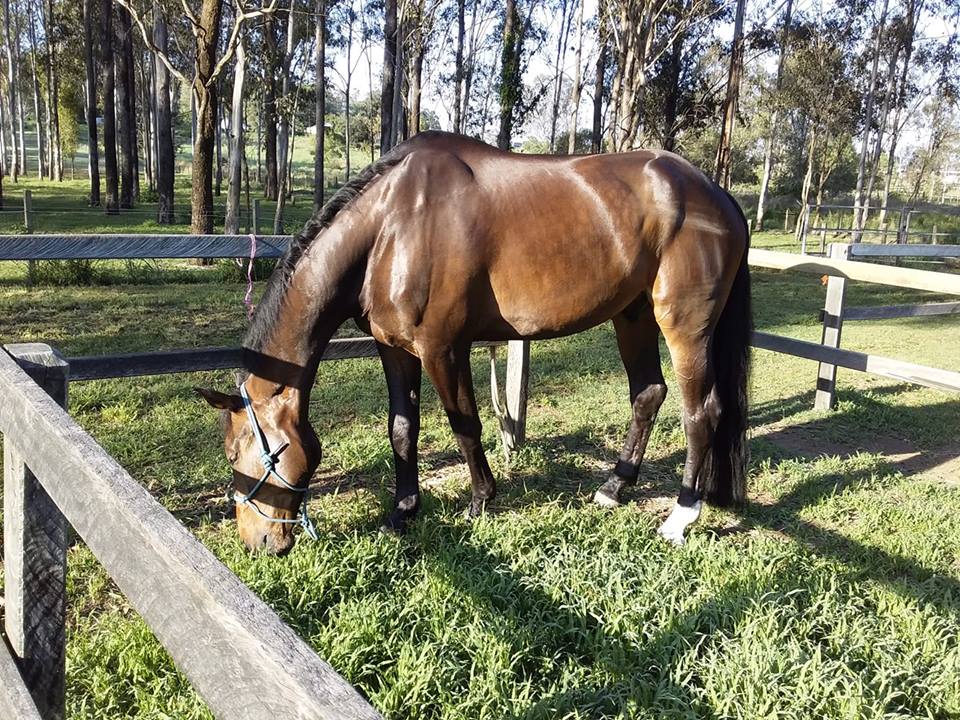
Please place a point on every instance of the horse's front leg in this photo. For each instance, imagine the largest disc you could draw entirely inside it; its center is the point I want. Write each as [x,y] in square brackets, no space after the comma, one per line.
[449,370]
[403,372]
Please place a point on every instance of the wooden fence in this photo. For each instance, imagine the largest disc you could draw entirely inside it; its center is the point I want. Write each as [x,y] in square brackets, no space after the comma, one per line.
[902,233]
[235,651]
[839,268]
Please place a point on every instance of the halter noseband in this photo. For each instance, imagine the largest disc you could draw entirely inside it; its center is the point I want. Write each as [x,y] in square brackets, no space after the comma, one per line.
[269,461]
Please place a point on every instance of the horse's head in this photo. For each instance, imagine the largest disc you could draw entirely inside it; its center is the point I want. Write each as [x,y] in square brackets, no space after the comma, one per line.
[274,451]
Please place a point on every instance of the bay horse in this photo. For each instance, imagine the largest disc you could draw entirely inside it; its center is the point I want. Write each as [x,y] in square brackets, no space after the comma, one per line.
[445,241]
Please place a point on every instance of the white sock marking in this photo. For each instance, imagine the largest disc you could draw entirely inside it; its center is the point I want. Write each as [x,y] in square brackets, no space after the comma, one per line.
[679,520]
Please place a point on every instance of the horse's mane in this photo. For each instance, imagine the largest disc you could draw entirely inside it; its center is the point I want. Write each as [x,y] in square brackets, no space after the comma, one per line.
[268,310]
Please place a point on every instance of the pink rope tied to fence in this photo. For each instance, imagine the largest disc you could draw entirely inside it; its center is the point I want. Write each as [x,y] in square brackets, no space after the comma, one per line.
[247,298]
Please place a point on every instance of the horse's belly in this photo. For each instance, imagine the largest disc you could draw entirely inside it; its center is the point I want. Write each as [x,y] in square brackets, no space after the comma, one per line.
[568,296]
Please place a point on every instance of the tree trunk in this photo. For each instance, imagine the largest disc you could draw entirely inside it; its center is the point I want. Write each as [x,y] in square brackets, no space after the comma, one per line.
[93,160]
[721,172]
[389,76]
[596,136]
[672,101]
[575,95]
[859,217]
[149,120]
[283,141]
[320,87]
[12,83]
[397,118]
[346,100]
[416,78]
[218,169]
[205,95]
[21,126]
[112,199]
[53,84]
[808,175]
[913,9]
[468,68]
[125,129]
[558,72]
[509,73]
[270,110]
[41,144]
[874,161]
[458,70]
[165,154]
[771,139]
[231,223]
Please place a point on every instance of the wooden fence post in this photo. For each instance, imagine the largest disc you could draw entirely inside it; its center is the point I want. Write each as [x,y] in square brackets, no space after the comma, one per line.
[35,551]
[256,216]
[786,221]
[518,376]
[832,325]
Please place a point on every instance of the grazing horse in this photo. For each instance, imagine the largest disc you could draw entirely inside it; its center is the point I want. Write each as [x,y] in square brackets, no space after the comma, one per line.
[445,241]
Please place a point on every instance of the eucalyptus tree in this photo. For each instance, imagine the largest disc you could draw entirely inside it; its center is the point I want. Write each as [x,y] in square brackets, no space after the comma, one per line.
[577,82]
[111,203]
[90,87]
[770,141]
[12,50]
[211,60]
[640,32]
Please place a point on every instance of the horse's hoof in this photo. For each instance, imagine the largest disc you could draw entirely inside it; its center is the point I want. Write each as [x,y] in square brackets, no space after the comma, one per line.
[608,496]
[396,524]
[680,518]
[672,535]
[605,500]
[475,509]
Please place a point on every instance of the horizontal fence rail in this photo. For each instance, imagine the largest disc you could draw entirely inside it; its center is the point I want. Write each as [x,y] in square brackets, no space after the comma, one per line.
[875,250]
[938,282]
[893,312]
[137,247]
[235,651]
[164,362]
[874,364]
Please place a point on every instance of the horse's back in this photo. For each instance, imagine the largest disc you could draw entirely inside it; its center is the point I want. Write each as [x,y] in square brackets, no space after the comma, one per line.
[503,245]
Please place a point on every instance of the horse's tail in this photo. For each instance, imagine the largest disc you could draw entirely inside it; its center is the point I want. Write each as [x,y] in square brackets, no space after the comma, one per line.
[723,479]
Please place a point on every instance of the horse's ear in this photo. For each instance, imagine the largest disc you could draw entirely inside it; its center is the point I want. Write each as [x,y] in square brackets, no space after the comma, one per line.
[219,400]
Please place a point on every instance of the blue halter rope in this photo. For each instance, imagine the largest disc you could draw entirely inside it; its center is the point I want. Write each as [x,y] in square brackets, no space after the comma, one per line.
[269,461]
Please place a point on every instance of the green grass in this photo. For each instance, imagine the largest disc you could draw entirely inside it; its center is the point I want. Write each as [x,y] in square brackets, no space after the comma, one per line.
[834,593]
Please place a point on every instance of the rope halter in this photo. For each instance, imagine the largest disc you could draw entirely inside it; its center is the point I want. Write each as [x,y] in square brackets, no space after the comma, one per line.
[269,461]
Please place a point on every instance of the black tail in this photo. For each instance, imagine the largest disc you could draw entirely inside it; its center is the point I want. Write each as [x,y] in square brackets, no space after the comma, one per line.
[723,479]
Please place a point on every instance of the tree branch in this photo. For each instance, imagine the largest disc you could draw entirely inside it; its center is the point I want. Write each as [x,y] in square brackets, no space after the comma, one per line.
[148,41]
[240,19]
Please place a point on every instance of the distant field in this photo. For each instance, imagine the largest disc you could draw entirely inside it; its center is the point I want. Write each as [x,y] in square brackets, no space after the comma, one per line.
[834,593]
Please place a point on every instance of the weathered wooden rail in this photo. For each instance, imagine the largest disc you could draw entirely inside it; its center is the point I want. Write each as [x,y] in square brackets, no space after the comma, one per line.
[239,656]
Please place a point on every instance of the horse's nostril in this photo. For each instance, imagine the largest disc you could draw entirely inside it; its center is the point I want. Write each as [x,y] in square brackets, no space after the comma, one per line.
[263,541]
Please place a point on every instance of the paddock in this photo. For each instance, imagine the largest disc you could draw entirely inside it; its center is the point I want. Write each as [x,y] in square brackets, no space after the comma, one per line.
[560,370]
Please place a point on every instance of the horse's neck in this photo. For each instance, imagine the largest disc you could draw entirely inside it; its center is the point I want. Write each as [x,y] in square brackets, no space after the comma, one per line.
[321,295]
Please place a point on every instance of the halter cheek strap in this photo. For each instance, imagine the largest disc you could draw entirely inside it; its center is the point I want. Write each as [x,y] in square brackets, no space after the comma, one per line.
[269,461]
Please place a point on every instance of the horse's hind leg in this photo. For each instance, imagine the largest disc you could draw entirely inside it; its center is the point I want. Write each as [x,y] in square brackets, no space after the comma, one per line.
[637,339]
[449,370]
[690,352]
[403,372]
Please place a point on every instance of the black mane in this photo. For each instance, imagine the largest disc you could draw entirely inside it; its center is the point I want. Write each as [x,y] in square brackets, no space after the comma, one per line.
[268,310]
